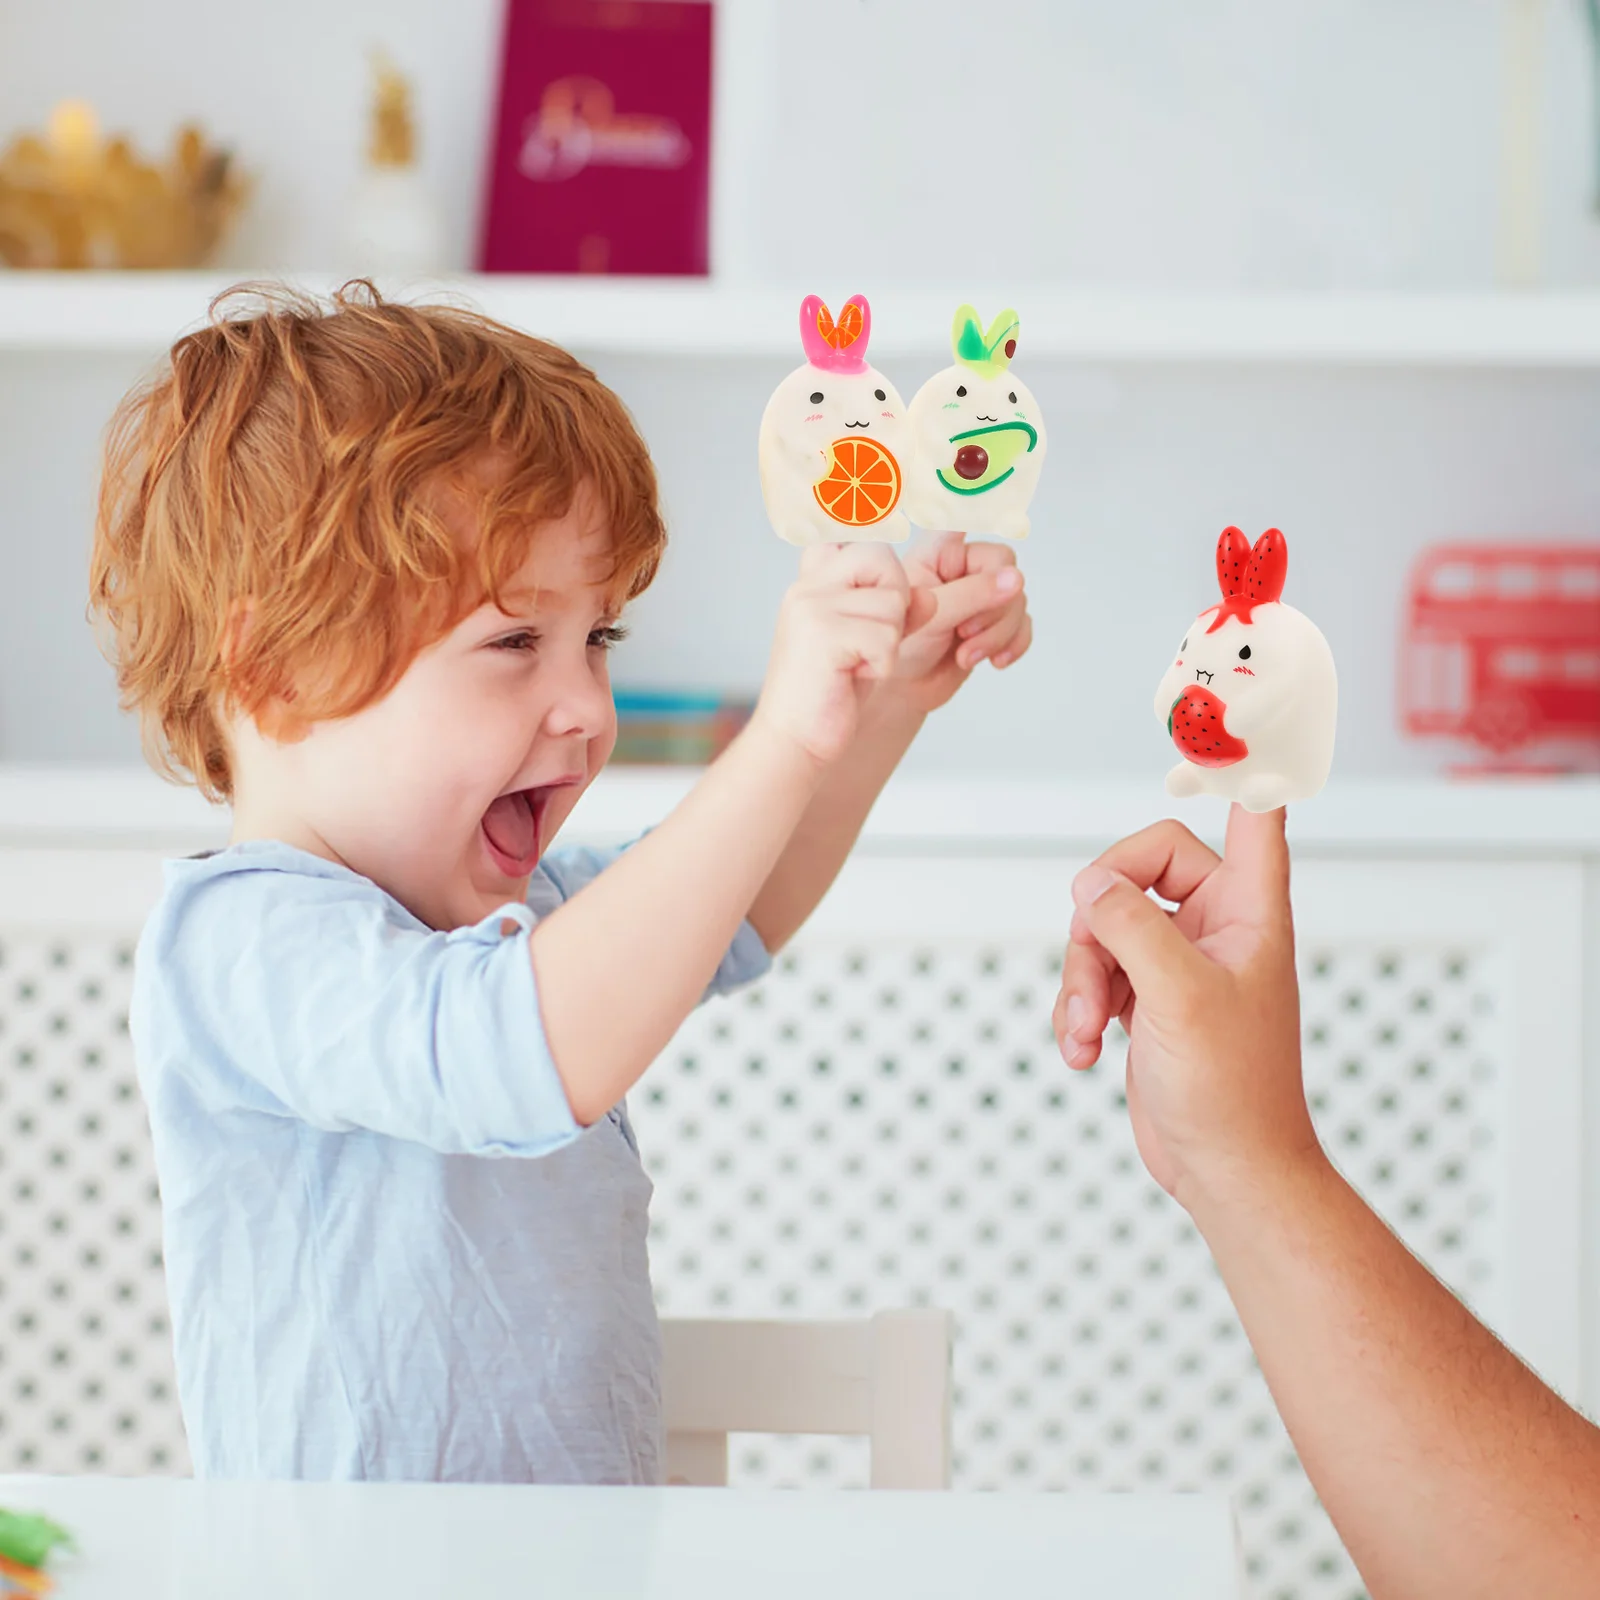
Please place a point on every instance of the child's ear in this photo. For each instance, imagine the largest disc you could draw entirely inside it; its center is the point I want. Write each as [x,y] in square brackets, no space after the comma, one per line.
[272,710]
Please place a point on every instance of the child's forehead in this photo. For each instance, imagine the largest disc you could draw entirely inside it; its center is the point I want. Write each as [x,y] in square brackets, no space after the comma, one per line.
[586,587]
[563,565]
[536,562]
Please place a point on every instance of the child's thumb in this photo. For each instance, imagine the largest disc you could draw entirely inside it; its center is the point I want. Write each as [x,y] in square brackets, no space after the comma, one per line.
[1137,932]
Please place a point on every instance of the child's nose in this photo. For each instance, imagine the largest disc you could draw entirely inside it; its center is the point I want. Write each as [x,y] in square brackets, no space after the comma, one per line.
[581,702]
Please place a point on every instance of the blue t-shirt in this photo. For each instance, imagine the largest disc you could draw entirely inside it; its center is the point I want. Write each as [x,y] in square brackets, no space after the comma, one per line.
[391,1252]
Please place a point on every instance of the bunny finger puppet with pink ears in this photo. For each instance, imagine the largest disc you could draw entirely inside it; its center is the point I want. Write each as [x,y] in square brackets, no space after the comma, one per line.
[1251,697]
[833,437]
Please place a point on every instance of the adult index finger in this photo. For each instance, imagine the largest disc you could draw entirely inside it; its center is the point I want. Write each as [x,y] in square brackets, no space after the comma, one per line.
[1258,849]
[1165,857]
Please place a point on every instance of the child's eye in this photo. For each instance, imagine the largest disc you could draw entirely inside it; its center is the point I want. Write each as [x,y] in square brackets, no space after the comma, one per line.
[608,637]
[522,639]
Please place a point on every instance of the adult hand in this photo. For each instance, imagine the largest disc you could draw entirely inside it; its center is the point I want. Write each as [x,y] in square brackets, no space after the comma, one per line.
[1207,994]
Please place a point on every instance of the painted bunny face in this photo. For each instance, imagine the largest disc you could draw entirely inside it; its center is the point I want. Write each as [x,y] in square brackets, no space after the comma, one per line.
[811,408]
[971,403]
[833,440]
[977,435]
[1252,667]
[1251,696]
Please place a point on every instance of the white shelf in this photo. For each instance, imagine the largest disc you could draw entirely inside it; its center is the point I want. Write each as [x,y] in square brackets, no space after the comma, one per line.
[128,807]
[144,312]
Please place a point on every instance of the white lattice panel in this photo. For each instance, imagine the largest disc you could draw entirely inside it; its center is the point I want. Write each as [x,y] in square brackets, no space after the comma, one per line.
[86,1379]
[891,1124]
[885,1122]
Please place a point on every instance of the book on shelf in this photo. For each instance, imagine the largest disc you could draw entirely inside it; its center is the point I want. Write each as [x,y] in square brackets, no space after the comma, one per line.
[665,727]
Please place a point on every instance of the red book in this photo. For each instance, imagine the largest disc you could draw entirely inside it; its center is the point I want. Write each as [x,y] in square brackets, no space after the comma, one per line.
[602,144]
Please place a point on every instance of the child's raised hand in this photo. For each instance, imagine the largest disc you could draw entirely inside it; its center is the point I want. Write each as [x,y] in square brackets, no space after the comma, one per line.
[967,605]
[838,635]
[1207,994]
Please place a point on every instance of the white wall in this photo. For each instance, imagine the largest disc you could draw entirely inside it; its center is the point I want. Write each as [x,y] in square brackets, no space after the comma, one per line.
[1228,143]
[1243,143]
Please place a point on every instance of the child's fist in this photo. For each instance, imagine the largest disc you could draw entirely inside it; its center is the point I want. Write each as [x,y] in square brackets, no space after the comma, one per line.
[967,605]
[838,634]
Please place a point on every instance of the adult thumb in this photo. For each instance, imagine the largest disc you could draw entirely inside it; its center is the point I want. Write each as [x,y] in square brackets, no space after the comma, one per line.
[1137,932]
[921,608]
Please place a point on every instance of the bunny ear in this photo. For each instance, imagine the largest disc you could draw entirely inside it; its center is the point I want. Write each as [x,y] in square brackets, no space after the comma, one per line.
[1269,566]
[836,346]
[816,329]
[966,336]
[1001,340]
[855,327]
[1233,557]
[988,354]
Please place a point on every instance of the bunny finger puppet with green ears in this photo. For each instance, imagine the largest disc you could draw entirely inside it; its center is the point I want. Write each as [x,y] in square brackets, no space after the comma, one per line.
[977,436]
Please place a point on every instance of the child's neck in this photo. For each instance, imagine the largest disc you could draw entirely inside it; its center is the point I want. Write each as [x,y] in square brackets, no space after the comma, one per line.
[253,821]
[263,804]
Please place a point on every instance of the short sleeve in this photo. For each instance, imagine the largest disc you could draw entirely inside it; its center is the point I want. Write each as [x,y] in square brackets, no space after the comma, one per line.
[321,998]
[565,871]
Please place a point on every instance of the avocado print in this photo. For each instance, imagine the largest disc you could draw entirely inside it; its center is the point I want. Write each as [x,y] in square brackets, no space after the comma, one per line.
[978,439]
[986,457]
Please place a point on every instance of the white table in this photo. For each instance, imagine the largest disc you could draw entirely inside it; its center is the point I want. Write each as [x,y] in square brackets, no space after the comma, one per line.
[174,1539]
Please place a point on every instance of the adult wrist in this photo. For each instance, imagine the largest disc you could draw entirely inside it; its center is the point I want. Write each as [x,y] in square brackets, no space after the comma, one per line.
[1230,1187]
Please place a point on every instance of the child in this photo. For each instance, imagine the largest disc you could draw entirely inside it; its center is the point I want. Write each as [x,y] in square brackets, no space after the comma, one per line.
[1447,1467]
[362,566]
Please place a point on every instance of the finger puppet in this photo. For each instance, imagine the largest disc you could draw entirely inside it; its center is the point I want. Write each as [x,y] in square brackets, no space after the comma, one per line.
[977,436]
[1251,698]
[833,437]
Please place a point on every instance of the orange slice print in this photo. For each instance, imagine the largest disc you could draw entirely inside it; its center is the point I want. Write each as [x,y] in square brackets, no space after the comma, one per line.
[845,332]
[862,485]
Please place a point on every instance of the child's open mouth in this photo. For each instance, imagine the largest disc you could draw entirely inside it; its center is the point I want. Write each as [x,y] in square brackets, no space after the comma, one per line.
[513,829]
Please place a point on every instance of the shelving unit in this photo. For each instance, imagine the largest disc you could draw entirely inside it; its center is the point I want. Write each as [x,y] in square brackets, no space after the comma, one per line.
[136,312]
[128,806]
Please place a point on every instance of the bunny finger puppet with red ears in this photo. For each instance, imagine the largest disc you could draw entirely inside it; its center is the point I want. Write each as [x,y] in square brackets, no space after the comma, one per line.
[1252,696]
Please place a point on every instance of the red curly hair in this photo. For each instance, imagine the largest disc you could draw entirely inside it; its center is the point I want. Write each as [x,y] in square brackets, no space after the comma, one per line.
[286,462]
